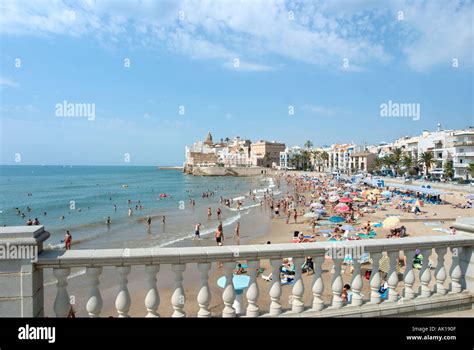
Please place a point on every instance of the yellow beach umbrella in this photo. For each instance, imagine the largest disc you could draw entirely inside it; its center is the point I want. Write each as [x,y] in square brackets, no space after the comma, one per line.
[391,222]
[375,191]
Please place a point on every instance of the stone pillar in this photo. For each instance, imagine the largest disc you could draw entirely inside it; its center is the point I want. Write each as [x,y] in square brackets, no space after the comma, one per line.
[21,292]
[465,255]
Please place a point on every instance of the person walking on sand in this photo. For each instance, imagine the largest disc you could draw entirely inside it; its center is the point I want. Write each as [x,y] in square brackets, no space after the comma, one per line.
[197,234]
[237,233]
[68,240]
[219,235]
[295,215]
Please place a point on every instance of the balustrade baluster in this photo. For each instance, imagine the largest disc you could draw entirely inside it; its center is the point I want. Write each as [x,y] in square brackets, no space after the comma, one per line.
[252,291]
[375,280]
[297,304]
[178,298]
[409,275]
[455,271]
[204,295]
[318,284]
[152,299]
[94,300]
[228,296]
[425,274]
[62,305]
[440,272]
[275,288]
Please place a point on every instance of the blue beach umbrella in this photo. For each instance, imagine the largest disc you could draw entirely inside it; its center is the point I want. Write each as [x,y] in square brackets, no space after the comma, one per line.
[336,219]
[348,228]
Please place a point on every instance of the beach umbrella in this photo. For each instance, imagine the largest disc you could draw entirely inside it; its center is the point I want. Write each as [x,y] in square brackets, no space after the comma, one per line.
[336,219]
[375,191]
[386,193]
[354,193]
[345,200]
[310,215]
[343,209]
[391,222]
[358,199]
[470,196]
[348,228]
[384,264]
[333,199]
[316,205]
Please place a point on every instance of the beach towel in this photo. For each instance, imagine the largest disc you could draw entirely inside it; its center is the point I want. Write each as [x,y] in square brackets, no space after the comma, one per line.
[439,229]
[433,223]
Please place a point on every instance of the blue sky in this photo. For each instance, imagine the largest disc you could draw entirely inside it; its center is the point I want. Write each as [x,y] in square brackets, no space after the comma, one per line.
[183,53]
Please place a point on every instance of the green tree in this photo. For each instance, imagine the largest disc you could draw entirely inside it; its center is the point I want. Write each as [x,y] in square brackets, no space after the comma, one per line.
[426,159]
[449,169]
[308,144]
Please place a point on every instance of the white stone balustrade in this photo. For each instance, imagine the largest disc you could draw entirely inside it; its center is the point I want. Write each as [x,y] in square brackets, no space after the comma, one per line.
[434,284]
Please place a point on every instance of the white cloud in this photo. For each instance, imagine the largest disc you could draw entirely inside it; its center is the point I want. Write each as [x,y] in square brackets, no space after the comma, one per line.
[323,110]
[321,33]
[8,82]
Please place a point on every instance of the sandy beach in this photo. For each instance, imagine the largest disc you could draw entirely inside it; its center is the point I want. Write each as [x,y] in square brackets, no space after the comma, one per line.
[267,227]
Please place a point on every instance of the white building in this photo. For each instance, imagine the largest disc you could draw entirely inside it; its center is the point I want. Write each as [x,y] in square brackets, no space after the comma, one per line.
[463,152]
[287,157]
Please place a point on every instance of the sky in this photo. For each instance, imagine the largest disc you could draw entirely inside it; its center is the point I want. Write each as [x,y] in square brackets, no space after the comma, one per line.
[158,75]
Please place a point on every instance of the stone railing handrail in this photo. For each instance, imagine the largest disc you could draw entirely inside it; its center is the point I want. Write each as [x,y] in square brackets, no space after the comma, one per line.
[149,256]
[453,284]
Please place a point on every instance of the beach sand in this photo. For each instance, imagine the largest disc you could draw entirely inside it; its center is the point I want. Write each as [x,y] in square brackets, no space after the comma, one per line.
[259,230]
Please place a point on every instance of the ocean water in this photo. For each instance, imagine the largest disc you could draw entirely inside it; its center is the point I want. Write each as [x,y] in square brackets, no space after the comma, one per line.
[85,196]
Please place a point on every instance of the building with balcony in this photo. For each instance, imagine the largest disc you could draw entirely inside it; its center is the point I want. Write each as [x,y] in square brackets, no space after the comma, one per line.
[463,154]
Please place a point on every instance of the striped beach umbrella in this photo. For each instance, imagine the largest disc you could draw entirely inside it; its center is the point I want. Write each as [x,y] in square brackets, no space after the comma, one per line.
[390,222]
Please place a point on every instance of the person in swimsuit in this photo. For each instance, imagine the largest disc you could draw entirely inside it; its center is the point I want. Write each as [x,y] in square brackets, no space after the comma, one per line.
[237,232]
[219,235]
[209,213]
[196,231]
[68,240]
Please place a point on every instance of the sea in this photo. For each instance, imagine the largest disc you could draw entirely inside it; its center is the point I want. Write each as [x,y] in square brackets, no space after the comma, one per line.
[82,198]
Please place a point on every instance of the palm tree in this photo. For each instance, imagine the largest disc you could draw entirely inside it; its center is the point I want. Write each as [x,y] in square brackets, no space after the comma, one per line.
[408,162]
[317,160]
[377,164]
[308,144]
[396,158]
[426,160]
[305,157]
[448,169]
[296,159]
